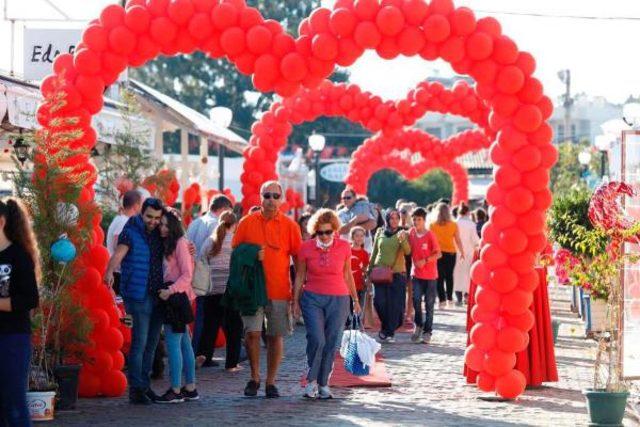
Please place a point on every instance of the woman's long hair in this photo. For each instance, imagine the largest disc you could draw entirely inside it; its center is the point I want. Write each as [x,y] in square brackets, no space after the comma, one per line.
[444,214]
[19,231]
[176,231]
[227,220]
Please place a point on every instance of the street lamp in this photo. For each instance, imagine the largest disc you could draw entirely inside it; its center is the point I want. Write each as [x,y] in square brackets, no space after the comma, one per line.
[631,115]
[317,143]
[603,143]
[584,158]
[21,149]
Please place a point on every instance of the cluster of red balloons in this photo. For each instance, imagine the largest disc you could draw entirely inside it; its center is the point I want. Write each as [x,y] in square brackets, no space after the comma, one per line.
[227,192]
[523,153]
[293,200]
[164,185]
[190,198]
[412,153]
[270,134]
[101,373]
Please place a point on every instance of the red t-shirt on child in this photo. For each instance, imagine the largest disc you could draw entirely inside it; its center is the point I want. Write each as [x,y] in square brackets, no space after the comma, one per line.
[325,269]
[422,247]
[359,263]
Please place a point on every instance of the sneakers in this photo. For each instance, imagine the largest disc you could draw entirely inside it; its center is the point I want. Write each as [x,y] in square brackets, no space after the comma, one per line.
[138,397]
[324,392]
[382,336]
[311,390]
[271,392]
[442,304]
[151,395]
[391,340]
[170,397]
[417,335]
[426,338]
[189,396]
[251,390]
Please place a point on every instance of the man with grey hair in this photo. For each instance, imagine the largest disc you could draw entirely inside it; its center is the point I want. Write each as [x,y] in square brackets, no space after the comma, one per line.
[280,239]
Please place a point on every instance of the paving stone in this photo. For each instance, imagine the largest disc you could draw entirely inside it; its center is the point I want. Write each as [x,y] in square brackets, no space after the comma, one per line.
[428,389]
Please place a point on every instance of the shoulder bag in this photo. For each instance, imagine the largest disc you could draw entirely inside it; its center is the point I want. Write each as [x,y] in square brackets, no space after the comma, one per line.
[201,282]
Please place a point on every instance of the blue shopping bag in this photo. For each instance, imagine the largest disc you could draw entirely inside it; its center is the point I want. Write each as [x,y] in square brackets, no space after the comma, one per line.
[352,362]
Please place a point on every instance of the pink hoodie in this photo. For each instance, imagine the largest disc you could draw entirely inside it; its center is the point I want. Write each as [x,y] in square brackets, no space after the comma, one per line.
[178,268]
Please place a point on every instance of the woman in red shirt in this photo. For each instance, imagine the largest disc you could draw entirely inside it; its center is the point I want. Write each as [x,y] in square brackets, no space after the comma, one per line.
[324,268]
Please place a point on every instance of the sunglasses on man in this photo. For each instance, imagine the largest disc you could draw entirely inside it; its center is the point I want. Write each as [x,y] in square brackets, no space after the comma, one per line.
[274,196]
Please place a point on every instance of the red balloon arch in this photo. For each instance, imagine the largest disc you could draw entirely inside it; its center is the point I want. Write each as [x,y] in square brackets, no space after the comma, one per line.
[413,153]
[276,61]
[271,132]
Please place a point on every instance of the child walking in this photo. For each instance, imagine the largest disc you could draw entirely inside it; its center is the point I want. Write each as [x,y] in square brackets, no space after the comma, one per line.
[425,252]
[359,264]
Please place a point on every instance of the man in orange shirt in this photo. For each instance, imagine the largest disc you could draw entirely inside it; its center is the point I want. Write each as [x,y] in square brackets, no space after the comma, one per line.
[280,239]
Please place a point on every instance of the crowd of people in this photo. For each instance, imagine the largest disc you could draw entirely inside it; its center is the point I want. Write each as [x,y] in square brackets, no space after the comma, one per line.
[254,277]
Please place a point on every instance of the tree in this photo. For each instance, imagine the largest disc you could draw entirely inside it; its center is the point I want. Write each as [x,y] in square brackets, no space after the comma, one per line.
[566,176]
[129,158]
[386,187]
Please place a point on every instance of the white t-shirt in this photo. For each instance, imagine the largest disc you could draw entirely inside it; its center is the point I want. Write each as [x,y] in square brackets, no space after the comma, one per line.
[115,228]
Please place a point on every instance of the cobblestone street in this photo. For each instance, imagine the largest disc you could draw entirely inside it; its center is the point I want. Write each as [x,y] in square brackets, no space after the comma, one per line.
[428,389]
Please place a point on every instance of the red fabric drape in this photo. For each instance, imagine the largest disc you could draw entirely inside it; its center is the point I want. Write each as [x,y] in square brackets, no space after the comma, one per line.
[538,361]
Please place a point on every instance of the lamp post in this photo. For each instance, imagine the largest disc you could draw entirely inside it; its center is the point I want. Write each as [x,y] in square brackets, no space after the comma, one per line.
[603,143]
[584,158]
[21,149]
[317,143]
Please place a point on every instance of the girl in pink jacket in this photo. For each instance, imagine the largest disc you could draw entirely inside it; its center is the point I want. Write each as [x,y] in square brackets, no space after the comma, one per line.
[178,270]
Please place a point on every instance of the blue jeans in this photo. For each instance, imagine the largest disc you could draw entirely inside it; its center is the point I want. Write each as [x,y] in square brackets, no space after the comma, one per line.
[324,317]
[427,289]
[145,334]
[199,324]
[180,355]
[389,302]
[15,356]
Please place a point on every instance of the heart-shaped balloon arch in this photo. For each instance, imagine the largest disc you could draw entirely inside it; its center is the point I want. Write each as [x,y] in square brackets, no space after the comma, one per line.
[518,109]
[271,133]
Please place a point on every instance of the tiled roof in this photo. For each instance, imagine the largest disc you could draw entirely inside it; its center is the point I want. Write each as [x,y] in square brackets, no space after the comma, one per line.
[477,160]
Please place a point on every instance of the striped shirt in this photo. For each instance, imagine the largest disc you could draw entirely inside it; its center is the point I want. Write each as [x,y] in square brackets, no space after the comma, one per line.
[219,264]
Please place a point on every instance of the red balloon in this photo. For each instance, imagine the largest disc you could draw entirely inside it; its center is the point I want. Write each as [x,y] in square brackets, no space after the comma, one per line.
[137,19]
[122,40]
[96,37]
[497,363]
[436,28]
[163,30]
[517,301]
[510,80]
[492,256]
[99,361]
[411,41]
[87,62]
[473,358]
[487,298]
[519,200]
[200,26]
[259,39]
[512,241]
[233,41]
[89,384]
[112,339]
[324,46]
[415,11]
[224,15]
[528,118]
[523,321]
[367,35]
[342,22]
[100,320]
[505,50]
[366,10]
[452,50]
[511,384]
[479,46]
[118,360]
[113,384]
[511,340]
[480,315]
[180,11]
[486,382]
[463,21]
[483,336]
[390,20]
[112,16]
[504,280]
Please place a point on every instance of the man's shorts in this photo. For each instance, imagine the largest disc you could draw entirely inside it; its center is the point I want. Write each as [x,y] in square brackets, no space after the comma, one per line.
[276,317]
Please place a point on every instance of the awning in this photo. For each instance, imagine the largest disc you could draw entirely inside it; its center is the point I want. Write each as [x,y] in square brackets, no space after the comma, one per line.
[205,127]
[22,100]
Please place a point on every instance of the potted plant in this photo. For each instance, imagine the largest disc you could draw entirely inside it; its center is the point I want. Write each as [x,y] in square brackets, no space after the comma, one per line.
[60,323]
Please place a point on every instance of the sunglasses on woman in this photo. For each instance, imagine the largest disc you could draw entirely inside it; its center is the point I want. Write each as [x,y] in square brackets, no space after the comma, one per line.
[274,196]
[324,232]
